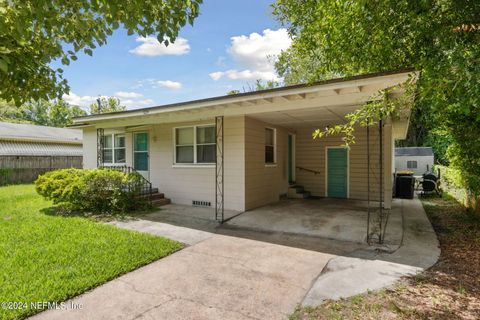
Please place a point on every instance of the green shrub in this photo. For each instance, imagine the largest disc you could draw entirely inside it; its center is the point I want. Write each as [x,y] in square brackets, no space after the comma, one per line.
[98,191]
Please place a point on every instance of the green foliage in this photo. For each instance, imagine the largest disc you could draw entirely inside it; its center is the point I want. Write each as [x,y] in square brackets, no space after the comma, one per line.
[56,113]
[439,140]
[258,85]
[97,191]
[440,38]
[45,257]
[35,33]
[451,178]
[110,104]
[381,106]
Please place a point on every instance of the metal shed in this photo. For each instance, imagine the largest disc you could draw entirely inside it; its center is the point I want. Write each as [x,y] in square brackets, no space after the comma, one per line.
[29,150]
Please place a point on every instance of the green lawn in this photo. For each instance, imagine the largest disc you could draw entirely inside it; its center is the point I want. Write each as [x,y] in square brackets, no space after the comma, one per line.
[52,258]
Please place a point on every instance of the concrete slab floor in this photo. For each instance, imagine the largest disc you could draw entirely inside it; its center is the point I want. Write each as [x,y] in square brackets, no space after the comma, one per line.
[338,219]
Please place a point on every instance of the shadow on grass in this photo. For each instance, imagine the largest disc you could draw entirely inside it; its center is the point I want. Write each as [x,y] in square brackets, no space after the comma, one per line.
[62,211]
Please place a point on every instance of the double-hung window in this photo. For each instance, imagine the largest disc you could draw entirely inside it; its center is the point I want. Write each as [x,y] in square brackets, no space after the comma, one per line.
[269,146]
[114,148]
[195,145]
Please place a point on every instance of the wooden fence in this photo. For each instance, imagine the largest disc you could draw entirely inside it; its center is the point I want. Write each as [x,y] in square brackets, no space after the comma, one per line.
[26,169]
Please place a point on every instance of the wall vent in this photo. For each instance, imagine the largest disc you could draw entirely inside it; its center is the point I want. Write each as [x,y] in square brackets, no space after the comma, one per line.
[198,203]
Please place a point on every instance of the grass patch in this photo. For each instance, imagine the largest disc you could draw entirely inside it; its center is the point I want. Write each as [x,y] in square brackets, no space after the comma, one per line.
[52,258]
[448,290]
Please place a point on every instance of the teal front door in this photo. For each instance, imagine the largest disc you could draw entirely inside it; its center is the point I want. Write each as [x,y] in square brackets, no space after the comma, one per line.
[140,153]
[337,172]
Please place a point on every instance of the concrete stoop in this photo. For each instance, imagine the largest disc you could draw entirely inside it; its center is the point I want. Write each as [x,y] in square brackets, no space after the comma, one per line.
[297,192]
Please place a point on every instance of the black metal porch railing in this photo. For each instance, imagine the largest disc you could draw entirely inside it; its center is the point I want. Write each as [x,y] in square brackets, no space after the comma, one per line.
[143,189]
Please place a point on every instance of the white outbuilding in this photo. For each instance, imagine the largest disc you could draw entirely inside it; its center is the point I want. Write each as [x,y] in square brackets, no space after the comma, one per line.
[416,159]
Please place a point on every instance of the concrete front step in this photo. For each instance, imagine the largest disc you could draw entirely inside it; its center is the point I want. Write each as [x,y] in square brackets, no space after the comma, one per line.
[297,192]
[161,202]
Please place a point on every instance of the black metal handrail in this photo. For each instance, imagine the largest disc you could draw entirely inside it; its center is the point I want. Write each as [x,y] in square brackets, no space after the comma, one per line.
[308,170]
[145,187]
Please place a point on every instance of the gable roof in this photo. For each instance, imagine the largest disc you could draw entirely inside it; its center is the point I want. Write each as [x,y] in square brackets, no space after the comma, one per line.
[384,78]
[30,132]
[414,152]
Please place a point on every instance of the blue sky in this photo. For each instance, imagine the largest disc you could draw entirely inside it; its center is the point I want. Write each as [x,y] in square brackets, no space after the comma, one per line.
[226,49]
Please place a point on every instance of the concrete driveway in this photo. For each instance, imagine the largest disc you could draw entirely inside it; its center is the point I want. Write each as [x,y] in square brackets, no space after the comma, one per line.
[220,277]
[241,273]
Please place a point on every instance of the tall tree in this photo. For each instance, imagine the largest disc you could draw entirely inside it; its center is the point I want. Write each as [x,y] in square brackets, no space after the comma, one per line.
[440,38]
[104,105]
[33,33]
[57,113]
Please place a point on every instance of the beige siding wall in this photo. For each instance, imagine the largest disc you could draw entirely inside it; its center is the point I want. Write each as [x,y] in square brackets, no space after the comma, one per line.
[89,148]
[182,184]
[264,183]
[311,154]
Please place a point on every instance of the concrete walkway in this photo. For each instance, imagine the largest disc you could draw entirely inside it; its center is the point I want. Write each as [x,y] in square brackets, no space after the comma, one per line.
[248,274]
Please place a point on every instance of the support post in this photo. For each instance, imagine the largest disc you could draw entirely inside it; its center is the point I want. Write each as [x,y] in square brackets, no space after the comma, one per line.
[219,170]
[380,134]
[368,181]
[100,140]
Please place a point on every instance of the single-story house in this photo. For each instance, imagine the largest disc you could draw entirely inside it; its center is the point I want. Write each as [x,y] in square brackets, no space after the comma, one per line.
[28,150]
[245,150]
[417,159]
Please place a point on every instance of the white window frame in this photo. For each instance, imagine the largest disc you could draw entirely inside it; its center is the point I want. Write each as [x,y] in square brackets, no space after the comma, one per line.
[113,148]
[195,144]
[274,163]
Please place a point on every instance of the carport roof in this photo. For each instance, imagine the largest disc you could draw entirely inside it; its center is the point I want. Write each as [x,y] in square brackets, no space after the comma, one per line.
[350,91]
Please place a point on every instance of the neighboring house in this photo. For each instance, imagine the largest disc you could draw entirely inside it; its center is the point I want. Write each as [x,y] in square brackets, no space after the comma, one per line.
[245,150]
[28,150]
[416,159]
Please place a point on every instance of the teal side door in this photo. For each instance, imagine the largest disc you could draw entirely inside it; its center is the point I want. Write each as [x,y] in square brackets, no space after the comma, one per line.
[337,171]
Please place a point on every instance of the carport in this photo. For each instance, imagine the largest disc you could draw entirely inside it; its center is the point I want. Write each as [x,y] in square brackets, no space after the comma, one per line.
[311,220]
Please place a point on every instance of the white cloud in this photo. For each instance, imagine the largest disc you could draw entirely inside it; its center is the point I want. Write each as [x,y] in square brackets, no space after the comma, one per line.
[125,94]
[174,85]
[129,99]
[216,75]
[255,55]
[76,100]
[134,104]
[151,47]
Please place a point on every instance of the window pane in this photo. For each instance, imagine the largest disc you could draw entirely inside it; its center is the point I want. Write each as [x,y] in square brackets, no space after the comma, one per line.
[119,155]
[184,154]
[107,156]
[107,141]
[269,139]
[140,161]
[206,134]
[119,141]
[411,164]
[206,153]
[184,136]
[141,141]
[269,154]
